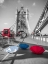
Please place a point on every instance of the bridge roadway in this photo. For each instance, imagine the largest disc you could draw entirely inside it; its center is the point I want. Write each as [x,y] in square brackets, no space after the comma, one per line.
[25,56]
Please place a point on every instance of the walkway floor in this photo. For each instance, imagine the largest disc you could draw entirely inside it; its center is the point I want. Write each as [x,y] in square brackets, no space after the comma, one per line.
[25,56]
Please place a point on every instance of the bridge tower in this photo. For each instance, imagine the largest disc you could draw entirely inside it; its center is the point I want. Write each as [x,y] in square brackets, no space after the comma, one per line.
[22,17]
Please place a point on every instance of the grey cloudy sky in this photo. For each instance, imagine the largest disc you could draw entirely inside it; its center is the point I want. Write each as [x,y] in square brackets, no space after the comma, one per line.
[9,7]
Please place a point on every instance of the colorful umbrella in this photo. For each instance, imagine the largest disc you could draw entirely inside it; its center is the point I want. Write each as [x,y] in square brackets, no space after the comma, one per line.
[11,49]
[23,46]
[37,49]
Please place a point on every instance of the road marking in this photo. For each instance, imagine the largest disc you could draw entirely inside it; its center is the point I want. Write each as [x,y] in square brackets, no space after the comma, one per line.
[5,56]
[19,54]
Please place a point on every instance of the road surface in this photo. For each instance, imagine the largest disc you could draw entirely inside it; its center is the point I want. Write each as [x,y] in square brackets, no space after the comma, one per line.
[24,56]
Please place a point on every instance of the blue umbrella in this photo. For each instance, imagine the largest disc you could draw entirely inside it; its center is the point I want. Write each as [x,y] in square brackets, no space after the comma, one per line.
[23,46]
[11,49]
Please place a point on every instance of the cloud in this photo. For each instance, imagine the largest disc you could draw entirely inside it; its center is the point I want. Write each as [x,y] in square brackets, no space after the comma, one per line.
[5,23]
[1,1]
[34,4]
[19,1]
[1,4]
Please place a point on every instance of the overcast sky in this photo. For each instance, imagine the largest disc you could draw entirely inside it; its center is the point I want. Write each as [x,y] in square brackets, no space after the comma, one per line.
[8,9]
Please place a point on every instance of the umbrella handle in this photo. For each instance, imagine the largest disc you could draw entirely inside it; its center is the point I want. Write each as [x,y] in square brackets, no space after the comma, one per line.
[23,40]
[46,51]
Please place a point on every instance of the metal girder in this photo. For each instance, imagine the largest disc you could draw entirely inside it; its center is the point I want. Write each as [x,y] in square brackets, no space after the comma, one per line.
[12,27]
[40,22]
[45,22]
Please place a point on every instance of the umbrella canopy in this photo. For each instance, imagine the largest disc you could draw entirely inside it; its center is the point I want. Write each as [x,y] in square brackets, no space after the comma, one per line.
[11,49]
[23,46]
[37,49]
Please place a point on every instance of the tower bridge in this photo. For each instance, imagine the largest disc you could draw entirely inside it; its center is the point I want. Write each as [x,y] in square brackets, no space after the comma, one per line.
[24,56]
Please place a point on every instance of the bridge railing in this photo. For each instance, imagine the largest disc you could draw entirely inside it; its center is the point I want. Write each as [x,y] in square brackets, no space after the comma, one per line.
[41,38]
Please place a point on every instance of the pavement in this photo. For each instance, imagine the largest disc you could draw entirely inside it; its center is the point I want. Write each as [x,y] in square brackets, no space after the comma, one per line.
[24,56]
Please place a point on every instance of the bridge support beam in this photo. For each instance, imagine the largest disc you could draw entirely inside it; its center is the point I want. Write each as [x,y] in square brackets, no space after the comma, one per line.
[41,38]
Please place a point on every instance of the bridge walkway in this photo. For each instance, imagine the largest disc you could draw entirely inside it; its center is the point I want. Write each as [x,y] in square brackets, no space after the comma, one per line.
[25,56]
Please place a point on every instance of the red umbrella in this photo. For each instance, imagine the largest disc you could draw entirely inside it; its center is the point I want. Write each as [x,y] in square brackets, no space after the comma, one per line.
[37,49]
